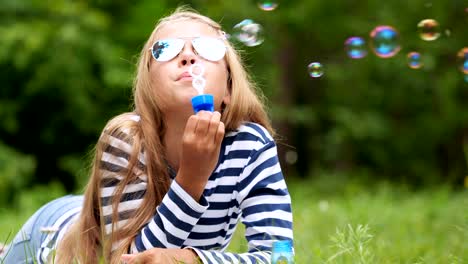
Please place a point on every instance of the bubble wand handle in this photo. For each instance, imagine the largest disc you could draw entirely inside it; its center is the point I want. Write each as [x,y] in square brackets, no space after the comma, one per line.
[201,101]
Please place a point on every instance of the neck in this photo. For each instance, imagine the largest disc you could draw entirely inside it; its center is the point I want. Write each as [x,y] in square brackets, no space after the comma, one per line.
[175,126]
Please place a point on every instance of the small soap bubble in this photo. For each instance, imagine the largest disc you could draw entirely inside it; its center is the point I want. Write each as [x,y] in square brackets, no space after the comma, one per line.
[323,205]
[448,32]
[414,60]
[249,33]
[315,69]
[291,157]
[385,41]
[355,47]
[267,5]
[462,60]
[428,29]
[198,82]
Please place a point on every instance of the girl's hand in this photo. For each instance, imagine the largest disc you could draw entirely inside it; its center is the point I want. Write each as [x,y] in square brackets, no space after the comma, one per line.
[201,144]
[162,255]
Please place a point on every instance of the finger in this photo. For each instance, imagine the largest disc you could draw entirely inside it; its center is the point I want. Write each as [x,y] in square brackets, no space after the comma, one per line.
[214,124]
[219,134]
[191,125]
[203,123]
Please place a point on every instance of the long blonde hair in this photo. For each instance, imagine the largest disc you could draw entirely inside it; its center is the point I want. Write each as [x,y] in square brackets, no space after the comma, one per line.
[86,241]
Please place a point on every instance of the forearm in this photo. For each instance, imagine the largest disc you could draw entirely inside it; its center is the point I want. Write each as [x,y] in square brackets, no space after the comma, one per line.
[173,221]
[195,189]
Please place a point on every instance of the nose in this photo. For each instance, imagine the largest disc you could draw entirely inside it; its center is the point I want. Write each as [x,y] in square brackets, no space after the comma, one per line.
[188,55]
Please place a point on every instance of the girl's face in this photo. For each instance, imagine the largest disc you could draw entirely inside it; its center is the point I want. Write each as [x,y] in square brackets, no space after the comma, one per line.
[170,79]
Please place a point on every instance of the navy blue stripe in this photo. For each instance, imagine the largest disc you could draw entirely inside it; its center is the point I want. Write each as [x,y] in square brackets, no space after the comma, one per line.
[208,235]
[155,242]
[226,256]
[182,205]
[223,189]
[125,197]
[268,222]
[238,154]
[216,221]
[242,136]
[260,256]
[266,208]
[230,172]
[223,205]
[265,236]
[124,215]
[116,152]
[54,238]
[104,165]
[261,187]
[170,237]
[109,182]
[260,130]
[119,134]
[173,219]
[218,259]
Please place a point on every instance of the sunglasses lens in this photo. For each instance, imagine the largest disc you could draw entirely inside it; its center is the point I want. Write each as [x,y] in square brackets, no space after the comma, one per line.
[167,49]
[210,48]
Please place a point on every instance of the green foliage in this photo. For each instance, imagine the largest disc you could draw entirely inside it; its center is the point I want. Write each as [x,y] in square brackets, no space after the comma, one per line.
[343,220]
[16,171]
[67,67]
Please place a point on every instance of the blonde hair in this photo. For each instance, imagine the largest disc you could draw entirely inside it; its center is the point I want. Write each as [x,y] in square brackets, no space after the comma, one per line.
[86,240]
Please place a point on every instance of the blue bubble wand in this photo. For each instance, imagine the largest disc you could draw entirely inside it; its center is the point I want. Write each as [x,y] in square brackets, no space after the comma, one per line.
[201,101]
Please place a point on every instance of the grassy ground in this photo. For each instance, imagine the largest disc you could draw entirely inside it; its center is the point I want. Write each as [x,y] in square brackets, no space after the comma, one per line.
[338,221]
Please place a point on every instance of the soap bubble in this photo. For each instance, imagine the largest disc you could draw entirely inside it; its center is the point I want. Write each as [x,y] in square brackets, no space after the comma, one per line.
[249,33]
[291,157]
[414,60]
[267,5]
[384,41]
[428,29]
[462,60]
[315,69]
[355,47]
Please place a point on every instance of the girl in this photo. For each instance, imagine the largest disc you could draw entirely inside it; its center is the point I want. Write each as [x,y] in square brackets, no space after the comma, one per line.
[168,185]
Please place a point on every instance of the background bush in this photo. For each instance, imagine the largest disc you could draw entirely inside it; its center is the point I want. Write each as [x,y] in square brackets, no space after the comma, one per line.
[66,67]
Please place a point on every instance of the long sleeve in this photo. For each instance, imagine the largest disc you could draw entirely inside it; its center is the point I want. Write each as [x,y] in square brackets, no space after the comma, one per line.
[266,210]
[170,227]
[247,186]
[174,217]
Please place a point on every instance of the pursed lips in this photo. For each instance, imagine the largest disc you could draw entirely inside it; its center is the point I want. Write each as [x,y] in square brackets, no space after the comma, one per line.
[184,76]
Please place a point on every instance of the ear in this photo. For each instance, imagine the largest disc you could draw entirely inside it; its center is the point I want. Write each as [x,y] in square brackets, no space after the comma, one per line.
[227,97]
[227,93]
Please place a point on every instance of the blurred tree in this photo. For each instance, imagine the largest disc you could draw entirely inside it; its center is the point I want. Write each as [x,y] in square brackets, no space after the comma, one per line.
[67,67]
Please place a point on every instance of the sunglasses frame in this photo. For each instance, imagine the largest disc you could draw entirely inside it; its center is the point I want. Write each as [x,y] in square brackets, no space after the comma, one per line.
[192,39]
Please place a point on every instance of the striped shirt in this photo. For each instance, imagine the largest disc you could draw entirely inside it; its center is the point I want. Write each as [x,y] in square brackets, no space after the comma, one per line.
[247,185]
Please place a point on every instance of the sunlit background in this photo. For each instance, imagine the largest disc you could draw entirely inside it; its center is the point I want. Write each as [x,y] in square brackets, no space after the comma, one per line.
[368,98]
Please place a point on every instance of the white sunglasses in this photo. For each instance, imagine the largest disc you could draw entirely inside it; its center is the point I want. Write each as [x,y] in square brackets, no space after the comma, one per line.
[212,49]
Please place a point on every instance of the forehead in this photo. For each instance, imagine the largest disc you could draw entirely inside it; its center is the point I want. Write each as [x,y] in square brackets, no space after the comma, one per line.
[186,28]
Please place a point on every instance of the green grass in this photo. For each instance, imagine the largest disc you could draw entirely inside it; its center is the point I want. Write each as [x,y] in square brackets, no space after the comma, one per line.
[344,221]
[390,224]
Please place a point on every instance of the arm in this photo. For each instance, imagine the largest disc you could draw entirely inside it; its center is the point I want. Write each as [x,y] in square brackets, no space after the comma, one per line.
[183,204]
[266,210]
[174,217]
